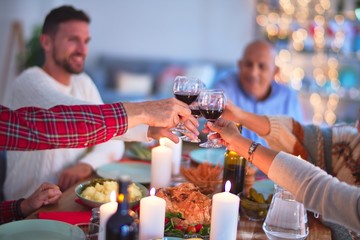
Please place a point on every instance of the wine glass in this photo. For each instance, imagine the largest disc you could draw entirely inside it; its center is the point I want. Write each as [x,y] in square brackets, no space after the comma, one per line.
[195,111]
[211,105]
[186,89]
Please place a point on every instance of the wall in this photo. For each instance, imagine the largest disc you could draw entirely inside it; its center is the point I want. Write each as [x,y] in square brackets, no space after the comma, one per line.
[181,29]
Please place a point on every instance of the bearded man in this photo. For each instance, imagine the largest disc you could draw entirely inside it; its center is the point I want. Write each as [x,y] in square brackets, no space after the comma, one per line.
[61,80]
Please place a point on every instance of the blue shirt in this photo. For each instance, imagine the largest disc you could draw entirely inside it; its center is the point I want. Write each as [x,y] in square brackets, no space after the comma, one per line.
[281,101]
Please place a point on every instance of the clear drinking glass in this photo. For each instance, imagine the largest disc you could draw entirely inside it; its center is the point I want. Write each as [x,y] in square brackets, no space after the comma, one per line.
[211,105]
[91,230]
[185,89]
[286,218]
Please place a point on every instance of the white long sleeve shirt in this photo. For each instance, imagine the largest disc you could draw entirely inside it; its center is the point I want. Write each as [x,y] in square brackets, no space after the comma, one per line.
[336,201]
[27,170]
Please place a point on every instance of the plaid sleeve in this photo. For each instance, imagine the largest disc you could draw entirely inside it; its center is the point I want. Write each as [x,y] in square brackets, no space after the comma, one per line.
[10,211]
[75,126]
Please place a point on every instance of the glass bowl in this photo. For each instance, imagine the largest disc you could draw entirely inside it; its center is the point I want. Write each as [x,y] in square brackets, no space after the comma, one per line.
[253,210]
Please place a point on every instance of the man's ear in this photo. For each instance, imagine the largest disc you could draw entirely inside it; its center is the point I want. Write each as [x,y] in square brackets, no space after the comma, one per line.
[276,71]
[45,41]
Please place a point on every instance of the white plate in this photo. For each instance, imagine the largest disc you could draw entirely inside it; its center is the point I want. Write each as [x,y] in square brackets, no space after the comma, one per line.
[210,155]
[36,229]
[138,172]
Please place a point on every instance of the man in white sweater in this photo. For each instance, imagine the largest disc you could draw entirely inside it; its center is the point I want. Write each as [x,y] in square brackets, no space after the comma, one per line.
[61,80]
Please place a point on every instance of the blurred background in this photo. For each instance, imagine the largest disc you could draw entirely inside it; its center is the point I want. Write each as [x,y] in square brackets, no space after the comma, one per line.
[139,46]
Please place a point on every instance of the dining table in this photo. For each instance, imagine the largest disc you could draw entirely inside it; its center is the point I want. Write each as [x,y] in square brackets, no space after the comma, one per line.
[247,229]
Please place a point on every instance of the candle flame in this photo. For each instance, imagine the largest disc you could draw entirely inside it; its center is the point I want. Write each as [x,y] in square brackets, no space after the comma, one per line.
[113,196]
[162,141]
[152,192]
[227,186]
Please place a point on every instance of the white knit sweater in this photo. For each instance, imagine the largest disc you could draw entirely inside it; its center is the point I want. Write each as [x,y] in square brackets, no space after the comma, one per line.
[27,170]
[335,149]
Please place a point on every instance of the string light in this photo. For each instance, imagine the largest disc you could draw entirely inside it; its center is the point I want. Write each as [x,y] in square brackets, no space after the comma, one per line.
[310,26]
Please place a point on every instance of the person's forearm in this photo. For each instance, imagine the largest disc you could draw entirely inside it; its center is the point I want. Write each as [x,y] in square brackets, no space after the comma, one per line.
[317,190]
[256,123]
[135,113]
[262,157]
[34,128]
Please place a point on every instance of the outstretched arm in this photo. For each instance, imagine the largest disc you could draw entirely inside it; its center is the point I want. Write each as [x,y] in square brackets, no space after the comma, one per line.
[32,128]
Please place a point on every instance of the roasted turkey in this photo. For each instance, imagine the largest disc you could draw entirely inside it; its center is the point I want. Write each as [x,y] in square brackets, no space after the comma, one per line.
[186,199]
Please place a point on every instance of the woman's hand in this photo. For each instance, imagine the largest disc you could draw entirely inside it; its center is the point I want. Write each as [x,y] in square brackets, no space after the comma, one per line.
[226,130]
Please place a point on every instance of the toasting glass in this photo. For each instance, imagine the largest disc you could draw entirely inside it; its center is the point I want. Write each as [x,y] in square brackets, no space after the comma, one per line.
[211,105]
[186,89]
[195,111]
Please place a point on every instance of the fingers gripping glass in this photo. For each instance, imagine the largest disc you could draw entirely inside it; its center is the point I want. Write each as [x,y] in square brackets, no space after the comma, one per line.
[185,89]
[211,105]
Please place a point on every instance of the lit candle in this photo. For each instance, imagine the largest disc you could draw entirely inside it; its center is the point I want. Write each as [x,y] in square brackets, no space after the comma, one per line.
[176,157]
[161,166]
[224,214]
[152,217]
[106,211]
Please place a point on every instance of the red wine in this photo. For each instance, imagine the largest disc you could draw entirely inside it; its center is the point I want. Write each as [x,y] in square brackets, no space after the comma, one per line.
[186,97]
[195,112]
[211,115]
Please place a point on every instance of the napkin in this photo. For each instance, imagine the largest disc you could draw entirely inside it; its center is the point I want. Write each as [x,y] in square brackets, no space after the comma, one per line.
[68,217]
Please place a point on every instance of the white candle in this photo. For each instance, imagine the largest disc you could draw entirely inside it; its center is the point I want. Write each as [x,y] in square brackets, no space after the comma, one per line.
[161,166]
[224,215]
[152,217]
[177,151]
[106,211]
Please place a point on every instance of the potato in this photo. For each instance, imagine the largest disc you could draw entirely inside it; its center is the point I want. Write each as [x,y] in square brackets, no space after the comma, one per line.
[102,190]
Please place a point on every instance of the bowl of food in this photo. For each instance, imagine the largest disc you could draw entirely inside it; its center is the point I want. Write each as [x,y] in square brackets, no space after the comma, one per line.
[97,192]
[254,205]
[207,177]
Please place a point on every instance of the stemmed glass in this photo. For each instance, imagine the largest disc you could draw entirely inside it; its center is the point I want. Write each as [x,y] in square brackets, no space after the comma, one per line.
[186,89]
[195,111]
[211,105]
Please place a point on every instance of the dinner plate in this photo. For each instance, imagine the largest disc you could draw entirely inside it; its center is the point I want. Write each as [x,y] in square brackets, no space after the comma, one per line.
[36,229]
[265,186]
[210,155]
[138,172]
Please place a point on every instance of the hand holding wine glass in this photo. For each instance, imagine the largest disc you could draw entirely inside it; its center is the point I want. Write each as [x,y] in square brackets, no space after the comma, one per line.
[211,105]
[186,89]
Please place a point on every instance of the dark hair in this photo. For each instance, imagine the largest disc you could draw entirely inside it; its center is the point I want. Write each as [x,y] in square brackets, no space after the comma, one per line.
[60,15]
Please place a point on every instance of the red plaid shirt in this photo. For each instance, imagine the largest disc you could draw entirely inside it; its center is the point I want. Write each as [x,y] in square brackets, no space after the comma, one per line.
[32,128]
[10,211]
